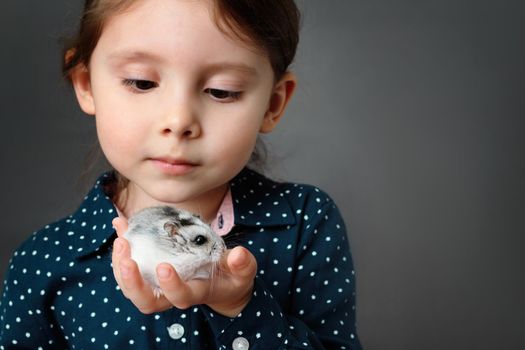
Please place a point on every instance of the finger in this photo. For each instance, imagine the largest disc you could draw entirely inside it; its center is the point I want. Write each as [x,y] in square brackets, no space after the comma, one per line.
[241,263]
[236,284]
[120,250]
[121,225]
[177,291]
[130,281]
[137,290]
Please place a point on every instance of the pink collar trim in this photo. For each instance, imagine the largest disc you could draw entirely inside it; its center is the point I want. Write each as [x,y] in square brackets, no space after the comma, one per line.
[224,221]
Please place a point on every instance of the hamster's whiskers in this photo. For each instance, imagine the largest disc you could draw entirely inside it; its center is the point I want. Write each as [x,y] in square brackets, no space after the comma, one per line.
[231,241]
[215,271]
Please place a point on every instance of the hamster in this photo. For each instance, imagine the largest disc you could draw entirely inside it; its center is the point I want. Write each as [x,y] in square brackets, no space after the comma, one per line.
[174,236]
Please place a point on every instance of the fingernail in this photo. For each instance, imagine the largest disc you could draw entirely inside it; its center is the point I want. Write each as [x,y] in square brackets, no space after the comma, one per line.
[163,272]
[242,259]
[242,254]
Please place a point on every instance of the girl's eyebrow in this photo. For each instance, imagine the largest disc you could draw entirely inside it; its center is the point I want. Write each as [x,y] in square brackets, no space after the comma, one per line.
[125,56]
[231,66]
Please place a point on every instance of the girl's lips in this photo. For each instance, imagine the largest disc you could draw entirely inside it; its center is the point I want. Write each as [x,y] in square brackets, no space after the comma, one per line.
[174,166]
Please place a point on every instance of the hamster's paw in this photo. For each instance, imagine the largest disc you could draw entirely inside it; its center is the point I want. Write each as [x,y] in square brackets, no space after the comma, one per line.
[157,292]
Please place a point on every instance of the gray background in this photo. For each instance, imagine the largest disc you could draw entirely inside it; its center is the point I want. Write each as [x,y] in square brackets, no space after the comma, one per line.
[409,113]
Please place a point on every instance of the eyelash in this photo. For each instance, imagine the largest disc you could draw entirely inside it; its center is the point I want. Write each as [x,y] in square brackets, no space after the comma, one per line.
[225,95]
[233,95]
[132,83]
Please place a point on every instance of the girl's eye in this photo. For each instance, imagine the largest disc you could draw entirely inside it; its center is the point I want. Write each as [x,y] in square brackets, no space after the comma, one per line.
[140,85]
[200,240]
[223,95]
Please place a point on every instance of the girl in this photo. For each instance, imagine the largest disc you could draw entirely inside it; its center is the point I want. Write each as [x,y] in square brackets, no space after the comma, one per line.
[180,91]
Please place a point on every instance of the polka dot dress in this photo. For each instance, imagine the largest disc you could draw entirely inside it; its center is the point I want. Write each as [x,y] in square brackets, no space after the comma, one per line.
[60,292]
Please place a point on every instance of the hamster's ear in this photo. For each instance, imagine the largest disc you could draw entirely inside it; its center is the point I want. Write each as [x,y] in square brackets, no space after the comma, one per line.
[281,95]
[171,228]
[80,78]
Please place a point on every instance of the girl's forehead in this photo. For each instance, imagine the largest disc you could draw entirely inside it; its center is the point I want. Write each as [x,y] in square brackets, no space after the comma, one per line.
[158,20]
[172,28]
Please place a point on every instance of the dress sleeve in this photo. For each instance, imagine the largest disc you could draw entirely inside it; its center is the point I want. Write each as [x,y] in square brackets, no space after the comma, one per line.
[324,296]
[321,313]
[24,319]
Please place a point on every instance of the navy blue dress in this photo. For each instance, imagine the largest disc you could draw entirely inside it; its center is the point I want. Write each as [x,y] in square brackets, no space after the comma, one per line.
[60,292]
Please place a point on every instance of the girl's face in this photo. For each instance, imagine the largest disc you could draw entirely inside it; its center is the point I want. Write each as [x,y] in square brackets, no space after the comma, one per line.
[178,104]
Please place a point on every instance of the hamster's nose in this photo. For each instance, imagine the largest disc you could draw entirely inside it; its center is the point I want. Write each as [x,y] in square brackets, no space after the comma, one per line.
[215,248]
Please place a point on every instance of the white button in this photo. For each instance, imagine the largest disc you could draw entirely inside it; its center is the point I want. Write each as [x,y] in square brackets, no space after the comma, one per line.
[240,343]
[176,331]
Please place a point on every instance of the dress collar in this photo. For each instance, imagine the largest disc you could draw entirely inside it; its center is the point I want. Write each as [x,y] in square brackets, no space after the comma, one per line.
[259,201]
[225,218]
[91,224]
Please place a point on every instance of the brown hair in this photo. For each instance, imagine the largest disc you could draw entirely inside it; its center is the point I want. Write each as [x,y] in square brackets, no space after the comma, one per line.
[268,25]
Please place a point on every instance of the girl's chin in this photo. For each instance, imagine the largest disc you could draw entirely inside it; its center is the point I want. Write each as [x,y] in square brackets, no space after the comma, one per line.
[156,199]
[187,195]
[143,196]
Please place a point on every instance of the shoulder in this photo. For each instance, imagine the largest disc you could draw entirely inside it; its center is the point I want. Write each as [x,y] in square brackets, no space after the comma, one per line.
[297,193]
[45,252]
[33,268]
[40,242]
[262,201]
[70,236]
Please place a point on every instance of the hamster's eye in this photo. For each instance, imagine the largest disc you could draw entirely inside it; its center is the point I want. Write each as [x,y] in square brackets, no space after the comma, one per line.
[200,240]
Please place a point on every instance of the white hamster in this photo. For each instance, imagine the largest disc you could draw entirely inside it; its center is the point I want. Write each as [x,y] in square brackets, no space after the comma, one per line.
[178,237]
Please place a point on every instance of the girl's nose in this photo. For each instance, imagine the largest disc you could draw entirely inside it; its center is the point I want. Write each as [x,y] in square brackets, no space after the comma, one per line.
[182,123]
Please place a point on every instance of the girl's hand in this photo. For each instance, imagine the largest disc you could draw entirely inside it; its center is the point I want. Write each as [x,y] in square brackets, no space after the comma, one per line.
[226,293]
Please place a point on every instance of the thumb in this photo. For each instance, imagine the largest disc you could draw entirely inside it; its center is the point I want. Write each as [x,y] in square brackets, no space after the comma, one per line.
[121,225]
[241,262]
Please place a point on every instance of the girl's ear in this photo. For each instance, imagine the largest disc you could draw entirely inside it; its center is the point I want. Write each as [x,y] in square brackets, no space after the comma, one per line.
[280,97]
[80,79]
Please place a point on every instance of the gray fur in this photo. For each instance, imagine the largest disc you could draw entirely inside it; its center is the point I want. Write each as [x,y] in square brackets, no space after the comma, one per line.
[172,235]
